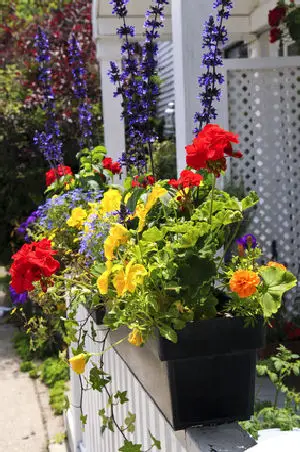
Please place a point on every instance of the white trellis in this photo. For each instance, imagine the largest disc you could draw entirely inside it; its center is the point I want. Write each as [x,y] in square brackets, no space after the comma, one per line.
[262,104]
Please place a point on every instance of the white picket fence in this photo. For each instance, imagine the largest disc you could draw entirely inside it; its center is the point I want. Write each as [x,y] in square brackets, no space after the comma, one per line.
[148,416]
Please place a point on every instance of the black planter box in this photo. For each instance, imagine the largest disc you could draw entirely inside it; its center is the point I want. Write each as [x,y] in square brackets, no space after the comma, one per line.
[208,377]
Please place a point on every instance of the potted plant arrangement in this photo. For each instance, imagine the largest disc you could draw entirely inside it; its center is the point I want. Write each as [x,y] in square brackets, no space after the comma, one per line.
[151,252]
[284,21]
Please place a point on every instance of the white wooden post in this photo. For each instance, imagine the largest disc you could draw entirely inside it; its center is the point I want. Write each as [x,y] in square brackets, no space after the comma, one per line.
[188,17]
[114,134]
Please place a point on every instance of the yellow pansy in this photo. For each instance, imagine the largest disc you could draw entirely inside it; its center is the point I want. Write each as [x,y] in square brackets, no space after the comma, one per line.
[135,337]
[119,233]
[78,217]
[142,210]
[109,247]
[102,283]
[111,201]
[78,362]
[127,281]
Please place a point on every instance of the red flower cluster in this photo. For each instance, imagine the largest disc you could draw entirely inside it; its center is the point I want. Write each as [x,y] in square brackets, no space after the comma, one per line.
[142,182]
[275,34]
[55,173]
[114,167]
[33,262]
[276,15]
[292,331]
[187,179]
[209,149]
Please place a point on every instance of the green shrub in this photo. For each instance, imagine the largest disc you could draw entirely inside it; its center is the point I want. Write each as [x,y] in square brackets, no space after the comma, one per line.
[57,397]
[54,370]
[21,342]
[34,373]
[26,366]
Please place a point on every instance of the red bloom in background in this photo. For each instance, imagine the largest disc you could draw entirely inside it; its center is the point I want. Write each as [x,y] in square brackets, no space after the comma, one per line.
[107,162]
[210,148]
[275,34]
[33,262]
[55,173]
[114,167]
[292,331]
[276,15]
[187,179]
[142,182]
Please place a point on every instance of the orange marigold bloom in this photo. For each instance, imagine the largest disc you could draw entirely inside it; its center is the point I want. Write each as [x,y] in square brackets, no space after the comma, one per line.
[244,283]
[278,265]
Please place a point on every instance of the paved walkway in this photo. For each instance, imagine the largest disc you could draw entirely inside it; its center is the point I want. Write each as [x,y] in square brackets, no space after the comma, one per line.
[27,423]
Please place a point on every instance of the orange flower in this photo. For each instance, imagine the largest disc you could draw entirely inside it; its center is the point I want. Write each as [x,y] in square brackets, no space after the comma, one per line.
[244,283]
[278,265]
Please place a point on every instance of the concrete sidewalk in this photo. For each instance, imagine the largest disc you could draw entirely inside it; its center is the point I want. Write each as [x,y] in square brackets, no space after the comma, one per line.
[27,422]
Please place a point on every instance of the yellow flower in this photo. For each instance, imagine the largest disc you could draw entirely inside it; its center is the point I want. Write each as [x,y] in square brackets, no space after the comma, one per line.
[127,281]
[135,337]
[111,201]
[102,283]
[142,210]
[78,362]
[109,246]
[78,217]
[119,233]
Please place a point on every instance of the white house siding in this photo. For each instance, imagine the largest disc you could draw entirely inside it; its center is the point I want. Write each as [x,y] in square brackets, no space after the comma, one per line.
[167,95]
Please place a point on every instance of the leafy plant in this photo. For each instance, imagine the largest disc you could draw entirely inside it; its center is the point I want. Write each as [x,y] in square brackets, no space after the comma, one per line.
[54,370]
[267,415]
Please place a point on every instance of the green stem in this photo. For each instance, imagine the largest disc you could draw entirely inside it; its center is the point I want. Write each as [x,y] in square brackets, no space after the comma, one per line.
[212,198]
[73,281]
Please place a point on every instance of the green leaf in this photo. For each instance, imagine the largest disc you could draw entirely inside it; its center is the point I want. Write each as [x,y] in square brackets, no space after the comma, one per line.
[130,422]
[270,304]
[83,419]
[133,200]
[156,443]
[168,333]
[122,396]
[98,379]
[130,447]
[251,200]
[153,235]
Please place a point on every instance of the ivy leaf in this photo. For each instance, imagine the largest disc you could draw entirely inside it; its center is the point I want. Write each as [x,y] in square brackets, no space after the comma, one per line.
[130,422]
[98,378]
[130,447]
[156,443]
[153,235]
[83,419]
[122,396]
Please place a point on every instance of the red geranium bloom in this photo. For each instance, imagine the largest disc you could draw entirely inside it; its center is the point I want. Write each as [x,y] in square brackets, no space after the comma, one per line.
[107,163]
[276,15]
[140,181]
[116,168]
[212,144]
[33,262]
[275,34]
[55,173]
[187,179]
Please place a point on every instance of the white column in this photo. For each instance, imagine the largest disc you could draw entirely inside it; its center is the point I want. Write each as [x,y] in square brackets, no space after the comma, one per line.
[188,17]
[114,134]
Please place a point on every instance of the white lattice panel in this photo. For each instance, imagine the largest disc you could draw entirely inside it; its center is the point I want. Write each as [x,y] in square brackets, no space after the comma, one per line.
[264,109]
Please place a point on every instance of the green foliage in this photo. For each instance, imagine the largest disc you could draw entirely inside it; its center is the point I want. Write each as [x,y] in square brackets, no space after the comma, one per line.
[54,370]
[165,160]
[26,366]
[268,415]
[21,342]
[57,397]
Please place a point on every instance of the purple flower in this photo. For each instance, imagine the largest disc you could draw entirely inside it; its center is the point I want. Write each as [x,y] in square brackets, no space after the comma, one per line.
[48,141]
[247,241]
[28,222]
[214,35]
[18,298]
